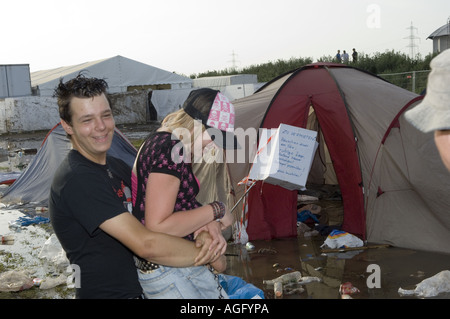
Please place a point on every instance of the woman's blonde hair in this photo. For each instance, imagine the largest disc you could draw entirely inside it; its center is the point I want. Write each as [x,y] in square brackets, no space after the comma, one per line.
[182,125]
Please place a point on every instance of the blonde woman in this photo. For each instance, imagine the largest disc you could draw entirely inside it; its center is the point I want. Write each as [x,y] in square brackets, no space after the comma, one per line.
[165,189]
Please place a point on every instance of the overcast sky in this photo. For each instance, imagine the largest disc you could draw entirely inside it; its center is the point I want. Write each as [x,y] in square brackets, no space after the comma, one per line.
[199,35]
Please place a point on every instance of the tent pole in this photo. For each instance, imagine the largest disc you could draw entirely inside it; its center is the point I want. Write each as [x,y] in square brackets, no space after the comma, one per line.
[240,199]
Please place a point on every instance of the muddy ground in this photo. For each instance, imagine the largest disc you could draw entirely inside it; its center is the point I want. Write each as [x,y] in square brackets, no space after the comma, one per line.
[261,260]
[399,268]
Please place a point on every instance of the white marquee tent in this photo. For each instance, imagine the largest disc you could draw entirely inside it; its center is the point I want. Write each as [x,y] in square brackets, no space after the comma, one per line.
[120,73]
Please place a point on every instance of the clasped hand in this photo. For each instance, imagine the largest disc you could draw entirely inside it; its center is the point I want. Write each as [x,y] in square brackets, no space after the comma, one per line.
[211,251]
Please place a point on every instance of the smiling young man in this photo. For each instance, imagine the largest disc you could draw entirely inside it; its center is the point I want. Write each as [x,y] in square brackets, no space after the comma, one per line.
[89,197]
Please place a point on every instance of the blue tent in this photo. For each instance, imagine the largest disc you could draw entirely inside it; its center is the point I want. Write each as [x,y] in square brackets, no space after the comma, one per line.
[33,185]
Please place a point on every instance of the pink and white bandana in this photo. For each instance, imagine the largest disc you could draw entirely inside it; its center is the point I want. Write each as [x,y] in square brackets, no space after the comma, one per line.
[221,115]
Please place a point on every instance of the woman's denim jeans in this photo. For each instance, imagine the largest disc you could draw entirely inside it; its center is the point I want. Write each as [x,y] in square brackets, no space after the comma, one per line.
[181,283]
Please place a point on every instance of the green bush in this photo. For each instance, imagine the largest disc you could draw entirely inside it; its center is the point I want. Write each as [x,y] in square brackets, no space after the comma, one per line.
[378,63]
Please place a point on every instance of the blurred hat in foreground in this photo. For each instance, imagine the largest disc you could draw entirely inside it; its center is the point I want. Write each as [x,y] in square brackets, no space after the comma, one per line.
[433,113]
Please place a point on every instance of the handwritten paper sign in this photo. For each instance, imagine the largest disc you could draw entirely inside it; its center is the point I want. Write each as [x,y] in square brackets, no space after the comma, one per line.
[286,158]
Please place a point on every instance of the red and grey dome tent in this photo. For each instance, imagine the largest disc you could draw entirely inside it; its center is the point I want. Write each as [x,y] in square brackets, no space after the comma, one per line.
[394,186]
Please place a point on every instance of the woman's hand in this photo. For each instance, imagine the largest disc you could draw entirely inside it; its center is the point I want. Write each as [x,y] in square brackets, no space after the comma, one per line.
[218,244]
[206,255]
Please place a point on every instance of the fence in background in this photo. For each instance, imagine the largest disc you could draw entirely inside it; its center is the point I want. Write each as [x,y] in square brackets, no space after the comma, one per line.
[415,81]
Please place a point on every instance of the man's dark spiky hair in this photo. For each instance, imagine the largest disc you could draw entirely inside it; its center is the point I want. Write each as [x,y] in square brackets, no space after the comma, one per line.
[80,87]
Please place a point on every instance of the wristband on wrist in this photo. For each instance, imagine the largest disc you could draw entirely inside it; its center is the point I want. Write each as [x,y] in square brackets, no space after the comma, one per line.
[218,209]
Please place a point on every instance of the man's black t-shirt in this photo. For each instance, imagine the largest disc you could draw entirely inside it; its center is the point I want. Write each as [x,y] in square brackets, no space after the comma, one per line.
[84,195]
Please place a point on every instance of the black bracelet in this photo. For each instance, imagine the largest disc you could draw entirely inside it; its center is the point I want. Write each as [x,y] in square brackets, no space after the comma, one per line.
[218,209]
